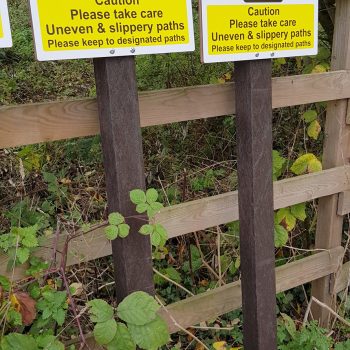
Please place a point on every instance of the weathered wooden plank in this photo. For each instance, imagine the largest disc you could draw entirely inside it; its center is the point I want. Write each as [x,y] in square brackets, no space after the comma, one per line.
[119,116]
[217,302]
[198,215]
[41,122]
[336,153]
[211,304]
[342,280]
[255,198]
[344,203]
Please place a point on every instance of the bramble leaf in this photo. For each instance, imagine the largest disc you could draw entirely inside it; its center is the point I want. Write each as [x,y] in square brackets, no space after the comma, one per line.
[111,232]
[146,229]
[100,311]
[281,236]
[314,129]
[278,164]
[299,211]
[142,207]
[16,341]
[137,196]
[310,115]
[151,195]
[122,339]
[104,332]
[124,230]
[138,308]
[22,254]
[286,219]
[115,219]
[150,336]
[307,163]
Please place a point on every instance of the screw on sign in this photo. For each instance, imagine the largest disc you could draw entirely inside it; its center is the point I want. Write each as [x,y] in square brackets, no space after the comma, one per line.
[5,30]
[251,32]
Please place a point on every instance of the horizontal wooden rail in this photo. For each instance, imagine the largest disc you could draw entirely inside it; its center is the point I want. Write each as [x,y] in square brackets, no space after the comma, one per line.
[200,215]
[35,123]
[221,300]
[216,302]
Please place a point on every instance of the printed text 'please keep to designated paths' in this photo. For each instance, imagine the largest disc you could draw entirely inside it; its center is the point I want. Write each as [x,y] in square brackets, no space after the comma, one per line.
[104,24]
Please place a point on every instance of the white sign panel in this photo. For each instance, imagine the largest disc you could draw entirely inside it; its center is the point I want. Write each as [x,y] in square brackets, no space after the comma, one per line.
[5,30]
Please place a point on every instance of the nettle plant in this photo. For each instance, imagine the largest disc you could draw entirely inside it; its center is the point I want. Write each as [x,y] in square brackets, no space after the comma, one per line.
[32,319]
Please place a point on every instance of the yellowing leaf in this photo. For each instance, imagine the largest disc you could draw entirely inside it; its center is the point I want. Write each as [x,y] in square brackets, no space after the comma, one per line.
[307,163]
[314,129]
[310,115]
[319,69]
[286,219]
[220,345]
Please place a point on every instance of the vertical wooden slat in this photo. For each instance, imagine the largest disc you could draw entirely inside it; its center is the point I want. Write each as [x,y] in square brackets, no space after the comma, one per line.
[254,137]
[123,162]
[336,153]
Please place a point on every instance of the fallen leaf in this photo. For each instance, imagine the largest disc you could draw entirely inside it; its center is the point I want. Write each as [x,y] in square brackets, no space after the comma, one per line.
[26,307]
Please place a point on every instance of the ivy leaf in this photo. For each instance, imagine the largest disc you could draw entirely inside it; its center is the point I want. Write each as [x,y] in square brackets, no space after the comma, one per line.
[314,129]
[122,339]
[307,163]
[151,195]
[100,311]
[23,254]
[278,163]
[142,207]
[299,211]
[124,230]
[115,219]
[150,336]
[281,236]
[138,308]
[146,229]
[15,341]
[111,232]
[310,115]
[137,196]
[104,332]
[286,219]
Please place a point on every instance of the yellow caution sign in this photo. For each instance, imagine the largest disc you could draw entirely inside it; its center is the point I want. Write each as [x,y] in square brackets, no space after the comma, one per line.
[5,30]
[100,28]
[238,30]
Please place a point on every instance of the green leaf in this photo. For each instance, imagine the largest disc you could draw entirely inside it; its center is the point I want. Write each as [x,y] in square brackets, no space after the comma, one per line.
[115,219]
[314,129]
[150,336]
[138,308]
[159,235]
[310,115]
[146,229]
[104,332]
[100,311]
[289,324]
[137,196]
[111,232]
[49,342]
[154,208]
[281,236]
[23,254]
[124,230]
[5,283]
[30,241]
[59,316]
[14,317]
[173,274]
[278,164]
[151,195]
[308,163]
[122,339]
[142,207]
[285,217]
[15,341]
[299,211]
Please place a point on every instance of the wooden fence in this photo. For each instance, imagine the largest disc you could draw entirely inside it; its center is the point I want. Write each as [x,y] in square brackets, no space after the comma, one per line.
[35,123]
